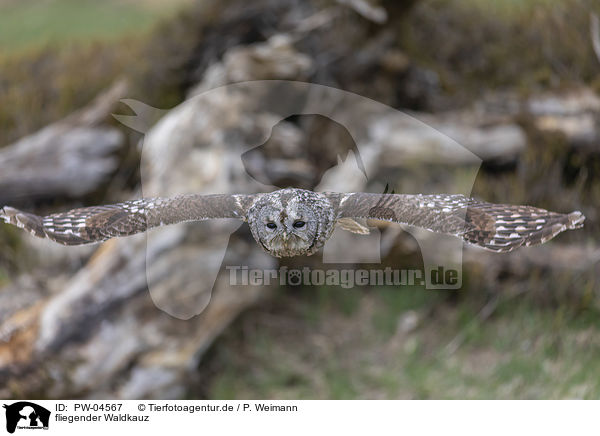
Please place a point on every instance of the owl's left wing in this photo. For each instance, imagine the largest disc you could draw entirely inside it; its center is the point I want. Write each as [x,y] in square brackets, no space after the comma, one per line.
[496,227]
[98,223]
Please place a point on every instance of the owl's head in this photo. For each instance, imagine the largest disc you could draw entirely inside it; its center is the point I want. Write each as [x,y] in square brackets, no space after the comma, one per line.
[291,222]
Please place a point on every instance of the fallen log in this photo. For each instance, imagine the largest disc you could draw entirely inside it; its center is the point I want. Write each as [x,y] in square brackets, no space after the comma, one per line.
[69,158]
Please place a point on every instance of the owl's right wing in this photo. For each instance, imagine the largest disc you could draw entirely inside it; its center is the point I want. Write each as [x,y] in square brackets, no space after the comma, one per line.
[496,227]
[98,223]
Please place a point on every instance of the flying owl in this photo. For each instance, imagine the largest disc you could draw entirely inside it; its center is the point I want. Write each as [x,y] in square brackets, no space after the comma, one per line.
[295,222]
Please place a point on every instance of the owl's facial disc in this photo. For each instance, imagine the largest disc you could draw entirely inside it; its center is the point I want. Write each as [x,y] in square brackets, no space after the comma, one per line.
[287,222]
[289,231]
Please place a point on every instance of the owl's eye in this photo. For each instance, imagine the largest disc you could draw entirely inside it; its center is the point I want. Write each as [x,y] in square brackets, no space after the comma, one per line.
[299,224]
[271,225]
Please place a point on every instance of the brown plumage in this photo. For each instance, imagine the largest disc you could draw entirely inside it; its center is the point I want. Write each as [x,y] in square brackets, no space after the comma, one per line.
[292,222]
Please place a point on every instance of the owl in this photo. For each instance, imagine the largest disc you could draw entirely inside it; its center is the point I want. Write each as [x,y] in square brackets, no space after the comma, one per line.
[296,222]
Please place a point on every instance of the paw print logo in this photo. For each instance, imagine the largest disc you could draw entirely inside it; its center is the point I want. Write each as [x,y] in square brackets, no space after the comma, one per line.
[294,277]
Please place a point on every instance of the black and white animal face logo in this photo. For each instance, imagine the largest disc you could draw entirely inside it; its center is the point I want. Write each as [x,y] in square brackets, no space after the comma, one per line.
[26,415]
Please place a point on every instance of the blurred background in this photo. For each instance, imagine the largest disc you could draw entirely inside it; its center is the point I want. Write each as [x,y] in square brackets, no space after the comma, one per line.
[516,82]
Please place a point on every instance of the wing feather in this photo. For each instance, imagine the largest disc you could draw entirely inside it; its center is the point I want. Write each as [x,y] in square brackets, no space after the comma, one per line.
[99,223]
[496,227]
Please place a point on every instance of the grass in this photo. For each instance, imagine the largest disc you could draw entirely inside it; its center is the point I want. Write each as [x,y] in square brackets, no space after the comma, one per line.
[477,44]
[30,24]
[510,8]
[521,351]
[95,43]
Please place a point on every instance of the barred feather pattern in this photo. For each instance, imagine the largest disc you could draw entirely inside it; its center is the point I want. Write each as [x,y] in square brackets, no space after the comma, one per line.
[495,227]
[99,223]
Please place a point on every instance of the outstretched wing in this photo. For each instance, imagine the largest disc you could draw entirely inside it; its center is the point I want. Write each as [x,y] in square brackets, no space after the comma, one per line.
[99,223]
[496,227]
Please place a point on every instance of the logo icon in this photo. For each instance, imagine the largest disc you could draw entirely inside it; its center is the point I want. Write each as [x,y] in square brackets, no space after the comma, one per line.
[26,415]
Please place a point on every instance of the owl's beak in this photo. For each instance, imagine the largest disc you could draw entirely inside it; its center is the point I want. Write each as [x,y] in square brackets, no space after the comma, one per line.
[285,236]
